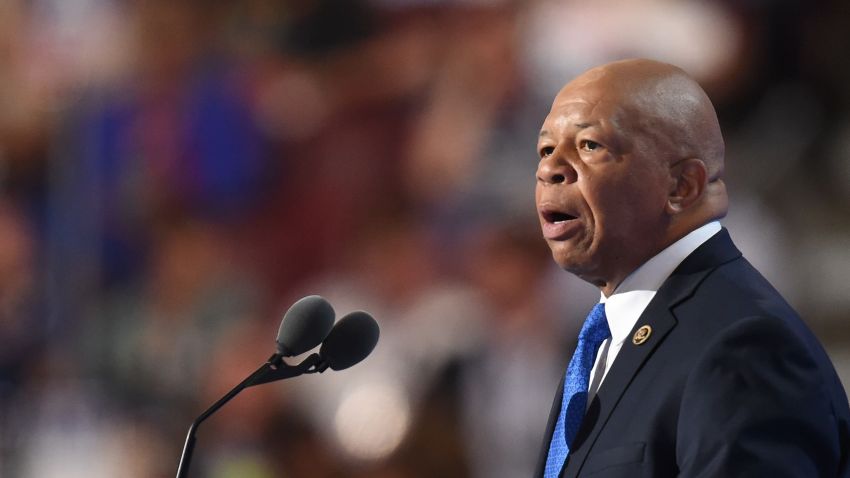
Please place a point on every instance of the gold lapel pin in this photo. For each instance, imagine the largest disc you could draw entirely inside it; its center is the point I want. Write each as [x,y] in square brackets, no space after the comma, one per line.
[642,335]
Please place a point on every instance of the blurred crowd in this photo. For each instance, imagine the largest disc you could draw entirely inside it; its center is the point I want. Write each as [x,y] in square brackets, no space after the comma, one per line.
[174,174]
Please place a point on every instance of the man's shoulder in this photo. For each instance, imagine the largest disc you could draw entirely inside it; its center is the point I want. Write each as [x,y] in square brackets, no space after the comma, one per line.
[736,292]
[736,288]
[736,313]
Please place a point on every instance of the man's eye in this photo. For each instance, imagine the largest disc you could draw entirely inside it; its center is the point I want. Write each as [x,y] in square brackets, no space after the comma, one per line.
[588,145]
[546,151]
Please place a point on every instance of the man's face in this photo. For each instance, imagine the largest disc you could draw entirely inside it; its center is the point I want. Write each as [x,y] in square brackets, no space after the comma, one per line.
[601,185]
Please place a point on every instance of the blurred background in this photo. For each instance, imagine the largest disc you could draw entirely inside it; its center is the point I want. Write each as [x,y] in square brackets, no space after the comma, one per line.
[174,174]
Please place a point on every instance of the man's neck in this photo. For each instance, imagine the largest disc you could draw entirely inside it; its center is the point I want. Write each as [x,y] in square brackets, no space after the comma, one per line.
[654,271]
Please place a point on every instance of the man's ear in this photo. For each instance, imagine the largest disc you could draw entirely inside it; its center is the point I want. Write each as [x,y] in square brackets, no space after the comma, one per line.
[688,180]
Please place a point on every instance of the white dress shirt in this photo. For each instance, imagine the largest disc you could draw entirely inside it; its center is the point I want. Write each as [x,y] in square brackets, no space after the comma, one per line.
[630,298]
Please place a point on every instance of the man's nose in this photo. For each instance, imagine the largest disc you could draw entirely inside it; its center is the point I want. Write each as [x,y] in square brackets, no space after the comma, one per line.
[554,169]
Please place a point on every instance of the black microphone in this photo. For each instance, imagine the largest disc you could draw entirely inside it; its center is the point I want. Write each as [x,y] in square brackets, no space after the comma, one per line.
[352,339]
[305,325]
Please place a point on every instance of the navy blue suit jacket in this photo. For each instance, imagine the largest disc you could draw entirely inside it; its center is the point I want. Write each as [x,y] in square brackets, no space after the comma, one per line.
[730,383]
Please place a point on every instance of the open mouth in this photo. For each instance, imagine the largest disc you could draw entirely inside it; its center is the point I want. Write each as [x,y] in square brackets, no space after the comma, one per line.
[556,217]
[558,225]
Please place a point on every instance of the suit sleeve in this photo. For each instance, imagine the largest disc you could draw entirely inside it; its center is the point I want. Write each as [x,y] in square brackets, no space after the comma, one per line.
[756,405]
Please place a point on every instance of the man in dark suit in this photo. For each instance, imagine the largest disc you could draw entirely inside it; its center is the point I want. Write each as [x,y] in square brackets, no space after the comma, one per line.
[692,365]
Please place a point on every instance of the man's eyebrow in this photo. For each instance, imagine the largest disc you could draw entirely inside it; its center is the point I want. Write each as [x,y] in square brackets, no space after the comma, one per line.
[584,125]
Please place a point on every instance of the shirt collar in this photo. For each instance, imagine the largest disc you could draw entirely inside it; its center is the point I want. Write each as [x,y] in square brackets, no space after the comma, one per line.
[630,298]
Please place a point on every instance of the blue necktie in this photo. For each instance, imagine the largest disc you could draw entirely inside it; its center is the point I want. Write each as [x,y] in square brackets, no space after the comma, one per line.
[593,333]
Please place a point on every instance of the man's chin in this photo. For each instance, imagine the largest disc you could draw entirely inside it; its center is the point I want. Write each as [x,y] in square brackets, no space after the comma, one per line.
[570,261]
[575,260]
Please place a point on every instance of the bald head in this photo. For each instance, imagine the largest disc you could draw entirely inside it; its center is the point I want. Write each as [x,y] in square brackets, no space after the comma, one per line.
[661,102]
[632,157]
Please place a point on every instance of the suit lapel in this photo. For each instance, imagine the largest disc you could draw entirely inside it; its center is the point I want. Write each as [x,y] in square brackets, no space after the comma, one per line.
[631,358]
[629,361]
[550,429]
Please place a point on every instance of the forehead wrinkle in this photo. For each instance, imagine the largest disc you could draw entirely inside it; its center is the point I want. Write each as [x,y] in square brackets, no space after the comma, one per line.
[561,116]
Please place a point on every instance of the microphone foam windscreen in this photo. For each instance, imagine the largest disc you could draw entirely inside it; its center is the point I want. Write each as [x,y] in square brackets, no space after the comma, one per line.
[305,325]
[352,339]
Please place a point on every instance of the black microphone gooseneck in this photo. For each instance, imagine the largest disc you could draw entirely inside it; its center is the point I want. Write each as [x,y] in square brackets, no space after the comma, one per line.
[274,366]
[305,325]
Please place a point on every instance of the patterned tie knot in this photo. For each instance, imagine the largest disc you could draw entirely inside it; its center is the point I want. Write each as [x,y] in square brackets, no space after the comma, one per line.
[595,329]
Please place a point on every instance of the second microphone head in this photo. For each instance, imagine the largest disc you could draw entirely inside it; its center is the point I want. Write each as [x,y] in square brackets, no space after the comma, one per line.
[352,339]
[305,325]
